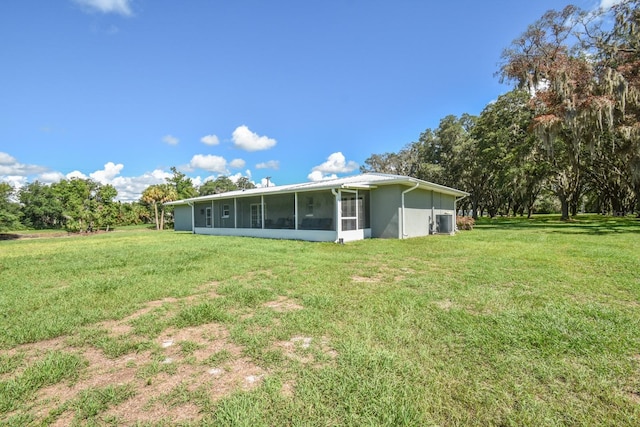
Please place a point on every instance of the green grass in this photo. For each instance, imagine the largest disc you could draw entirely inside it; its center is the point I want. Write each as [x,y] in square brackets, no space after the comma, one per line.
[518,322]
[51,369]
[91,403]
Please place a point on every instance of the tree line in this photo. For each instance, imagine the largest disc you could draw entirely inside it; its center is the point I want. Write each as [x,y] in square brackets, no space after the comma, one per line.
[84,205]
[568,130]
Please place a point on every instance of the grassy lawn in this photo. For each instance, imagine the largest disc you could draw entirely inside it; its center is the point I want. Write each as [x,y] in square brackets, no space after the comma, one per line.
[514,323]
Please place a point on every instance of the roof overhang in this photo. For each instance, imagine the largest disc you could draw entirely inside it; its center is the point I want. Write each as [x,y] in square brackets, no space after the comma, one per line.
[367,182]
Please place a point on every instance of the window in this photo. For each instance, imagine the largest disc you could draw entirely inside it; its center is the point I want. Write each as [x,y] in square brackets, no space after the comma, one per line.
[225,211]
[208,217]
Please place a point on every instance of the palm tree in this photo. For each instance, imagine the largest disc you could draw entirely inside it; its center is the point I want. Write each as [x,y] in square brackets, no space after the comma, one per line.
[159,194]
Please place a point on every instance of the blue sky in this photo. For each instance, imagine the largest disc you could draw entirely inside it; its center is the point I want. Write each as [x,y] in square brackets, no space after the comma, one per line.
[121,90]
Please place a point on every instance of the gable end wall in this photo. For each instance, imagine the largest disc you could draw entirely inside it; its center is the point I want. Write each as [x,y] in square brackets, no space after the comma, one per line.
[182,218]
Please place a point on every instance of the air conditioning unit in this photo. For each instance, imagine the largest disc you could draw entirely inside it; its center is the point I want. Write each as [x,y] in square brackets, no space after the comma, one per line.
[444,223]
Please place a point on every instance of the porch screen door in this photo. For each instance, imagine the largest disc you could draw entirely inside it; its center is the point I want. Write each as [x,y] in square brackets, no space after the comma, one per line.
[349,211]
[256,216]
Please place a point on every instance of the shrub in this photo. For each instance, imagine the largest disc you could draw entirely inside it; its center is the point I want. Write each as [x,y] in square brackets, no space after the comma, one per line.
[72,226]
[465,222]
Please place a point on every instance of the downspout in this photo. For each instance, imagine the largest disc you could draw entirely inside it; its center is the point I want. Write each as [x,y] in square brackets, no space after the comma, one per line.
[337,213]
[404,234]
[193,218]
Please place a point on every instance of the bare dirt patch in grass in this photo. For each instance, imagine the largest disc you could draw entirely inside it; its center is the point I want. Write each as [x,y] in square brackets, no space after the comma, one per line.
[179,361]
[38,348]
[116,327]
[99,373]
[307,350]
[363,279]
[209,339]
[156,374]
[149,404]
[131,414]
[124,325]
[209,290]
[283,304]
[287,389]
[445,304]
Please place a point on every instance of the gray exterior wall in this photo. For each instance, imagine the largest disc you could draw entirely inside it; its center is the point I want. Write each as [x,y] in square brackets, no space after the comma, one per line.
[421,209]
[182,218]
[384,212]
[417,212]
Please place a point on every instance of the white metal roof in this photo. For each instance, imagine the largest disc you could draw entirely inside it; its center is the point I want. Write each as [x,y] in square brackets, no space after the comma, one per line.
[364,181]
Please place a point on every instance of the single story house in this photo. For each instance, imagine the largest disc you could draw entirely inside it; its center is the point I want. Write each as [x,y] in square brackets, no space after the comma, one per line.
[337,210]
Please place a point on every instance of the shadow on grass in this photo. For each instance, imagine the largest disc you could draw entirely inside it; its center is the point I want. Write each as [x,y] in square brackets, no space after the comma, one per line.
[583,224]
[9,236]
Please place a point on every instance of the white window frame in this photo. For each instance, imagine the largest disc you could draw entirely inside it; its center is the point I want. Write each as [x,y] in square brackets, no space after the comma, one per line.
[226,211]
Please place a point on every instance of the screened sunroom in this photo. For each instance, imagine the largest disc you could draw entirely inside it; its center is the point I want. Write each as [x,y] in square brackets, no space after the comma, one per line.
[306,215]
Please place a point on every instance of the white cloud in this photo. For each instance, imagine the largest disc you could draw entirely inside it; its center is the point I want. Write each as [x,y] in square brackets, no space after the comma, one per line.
[15,181]
[9,165]
[131,188]
[170,139]
[336,163]
[110,171]
[76,174]
[209,163]
[235,177]
[123,7]
[246,140]
[319,176]
[264,182]
[6,159]
[271,164]
[50,177]
[237,163]
[210,140]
